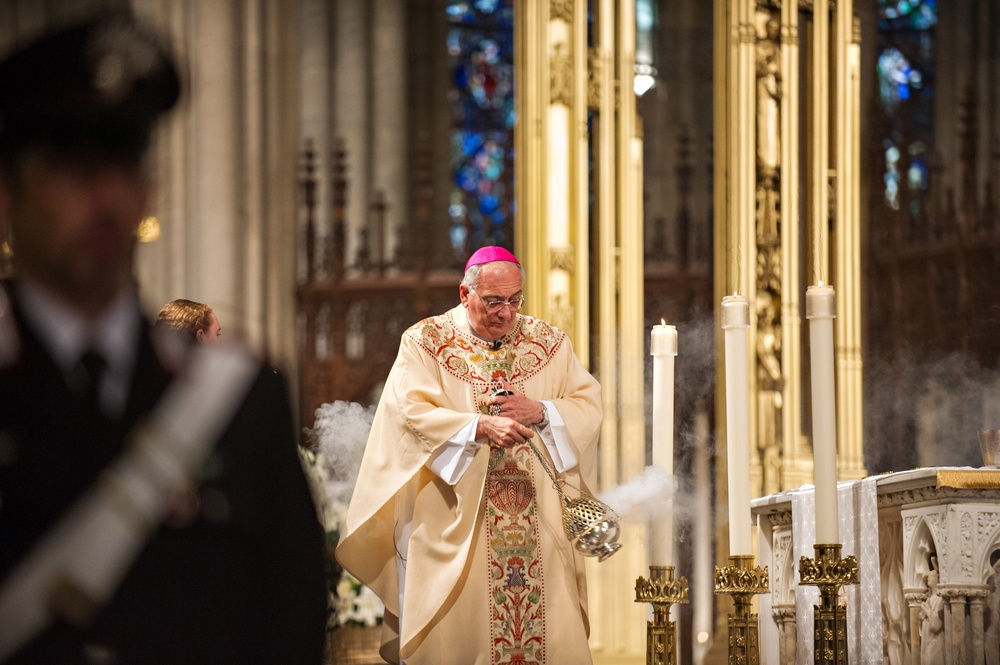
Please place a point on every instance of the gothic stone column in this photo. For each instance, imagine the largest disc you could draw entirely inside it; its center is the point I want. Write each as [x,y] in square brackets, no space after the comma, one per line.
[784,616]
[977,601]
[914,599]
[955,650]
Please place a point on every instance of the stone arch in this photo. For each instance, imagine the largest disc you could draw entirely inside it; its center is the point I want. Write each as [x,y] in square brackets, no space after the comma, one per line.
[989,532]
[922,546]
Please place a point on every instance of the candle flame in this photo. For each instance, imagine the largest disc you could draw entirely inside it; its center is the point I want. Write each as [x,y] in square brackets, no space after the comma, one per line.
[820,283]
[663,321]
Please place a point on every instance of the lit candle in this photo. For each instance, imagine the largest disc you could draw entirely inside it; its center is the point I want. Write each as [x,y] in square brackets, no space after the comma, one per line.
[663,348]
[735,324]
[821,308]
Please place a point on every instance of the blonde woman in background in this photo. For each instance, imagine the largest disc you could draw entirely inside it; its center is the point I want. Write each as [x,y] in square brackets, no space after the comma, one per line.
[193,318]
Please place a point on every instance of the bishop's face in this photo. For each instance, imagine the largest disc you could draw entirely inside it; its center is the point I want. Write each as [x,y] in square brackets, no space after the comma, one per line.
[499,281]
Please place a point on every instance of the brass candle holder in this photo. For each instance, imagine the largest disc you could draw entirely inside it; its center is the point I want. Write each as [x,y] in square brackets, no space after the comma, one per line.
[742,580]
[829,572]
[662,590]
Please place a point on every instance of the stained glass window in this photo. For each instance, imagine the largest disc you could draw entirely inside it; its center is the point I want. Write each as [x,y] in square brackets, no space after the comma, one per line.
[905,70]
[480,45]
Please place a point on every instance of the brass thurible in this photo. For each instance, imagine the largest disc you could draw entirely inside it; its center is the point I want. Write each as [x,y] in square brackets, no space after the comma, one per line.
[662,591]
[742,580]
[829,572]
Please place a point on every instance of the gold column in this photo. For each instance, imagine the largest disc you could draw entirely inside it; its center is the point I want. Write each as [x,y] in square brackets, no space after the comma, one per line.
[630,320]
[819,146]
[797,464]
[617,629]
[581,176]
[848,244]
[551,178]
[556,237]
[604,594]
[531,74]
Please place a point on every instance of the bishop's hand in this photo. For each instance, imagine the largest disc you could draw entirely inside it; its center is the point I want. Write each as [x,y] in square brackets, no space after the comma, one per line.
[502,432]
[516,406]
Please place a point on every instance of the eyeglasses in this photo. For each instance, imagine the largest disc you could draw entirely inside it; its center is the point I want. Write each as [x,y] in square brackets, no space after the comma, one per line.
[495,305]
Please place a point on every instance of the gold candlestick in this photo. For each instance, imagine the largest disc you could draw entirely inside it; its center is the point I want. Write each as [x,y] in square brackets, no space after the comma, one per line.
[829,572]
[742,580]
[662,590]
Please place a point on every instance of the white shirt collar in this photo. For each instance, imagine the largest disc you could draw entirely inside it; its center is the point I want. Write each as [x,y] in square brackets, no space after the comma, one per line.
[67,335]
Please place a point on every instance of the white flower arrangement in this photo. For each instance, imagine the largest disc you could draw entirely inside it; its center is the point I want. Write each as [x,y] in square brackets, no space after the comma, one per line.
[356,603]
[337,442]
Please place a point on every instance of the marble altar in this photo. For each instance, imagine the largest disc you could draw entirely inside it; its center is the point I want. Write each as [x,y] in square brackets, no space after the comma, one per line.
[928,548]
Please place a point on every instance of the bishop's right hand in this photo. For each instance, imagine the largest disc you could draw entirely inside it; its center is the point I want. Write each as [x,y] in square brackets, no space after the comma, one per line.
[502,432]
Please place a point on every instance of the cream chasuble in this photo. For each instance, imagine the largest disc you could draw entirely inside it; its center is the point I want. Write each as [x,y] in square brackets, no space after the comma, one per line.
[490,575]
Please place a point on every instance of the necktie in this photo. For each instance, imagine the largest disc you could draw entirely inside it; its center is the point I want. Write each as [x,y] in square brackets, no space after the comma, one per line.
[92,365]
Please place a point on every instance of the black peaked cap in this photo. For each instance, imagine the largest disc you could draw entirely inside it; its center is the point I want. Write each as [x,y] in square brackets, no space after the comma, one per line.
[97,85]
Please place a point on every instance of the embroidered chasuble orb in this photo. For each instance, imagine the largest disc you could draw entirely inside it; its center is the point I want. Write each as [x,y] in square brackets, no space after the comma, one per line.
[517,626]
[510,487]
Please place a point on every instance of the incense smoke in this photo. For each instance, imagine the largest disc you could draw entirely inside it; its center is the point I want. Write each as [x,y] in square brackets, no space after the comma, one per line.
[338,437]
[336,444]
[644,497]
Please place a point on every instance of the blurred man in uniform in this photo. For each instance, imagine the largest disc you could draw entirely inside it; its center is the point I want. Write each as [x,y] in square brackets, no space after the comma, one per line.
[152,509]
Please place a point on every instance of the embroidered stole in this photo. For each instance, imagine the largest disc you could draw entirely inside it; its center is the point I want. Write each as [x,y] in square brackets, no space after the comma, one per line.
[515,579]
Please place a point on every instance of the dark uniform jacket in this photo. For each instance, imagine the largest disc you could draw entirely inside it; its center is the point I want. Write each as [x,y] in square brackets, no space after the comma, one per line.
[233,575]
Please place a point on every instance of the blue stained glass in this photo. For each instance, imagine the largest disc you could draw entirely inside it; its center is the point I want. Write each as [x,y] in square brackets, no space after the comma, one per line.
[459,11]
[480,46]
[488,204]
[905,73]
[468,179]
[461,78]
[453,42]
[470,144]
[917,14]
[917,175]
[895,74]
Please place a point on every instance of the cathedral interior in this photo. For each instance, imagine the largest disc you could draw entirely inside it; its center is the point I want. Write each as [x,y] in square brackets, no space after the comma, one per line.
[335,162]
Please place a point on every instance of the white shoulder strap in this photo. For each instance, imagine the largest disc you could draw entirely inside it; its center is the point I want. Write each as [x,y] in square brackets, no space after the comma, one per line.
[77,566]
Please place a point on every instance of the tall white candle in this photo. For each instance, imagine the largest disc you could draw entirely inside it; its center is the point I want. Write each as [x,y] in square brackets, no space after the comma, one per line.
[735,325]
[821,308]
[663,348]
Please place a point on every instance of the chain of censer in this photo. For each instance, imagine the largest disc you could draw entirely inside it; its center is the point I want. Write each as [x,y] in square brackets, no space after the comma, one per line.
[557,481]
